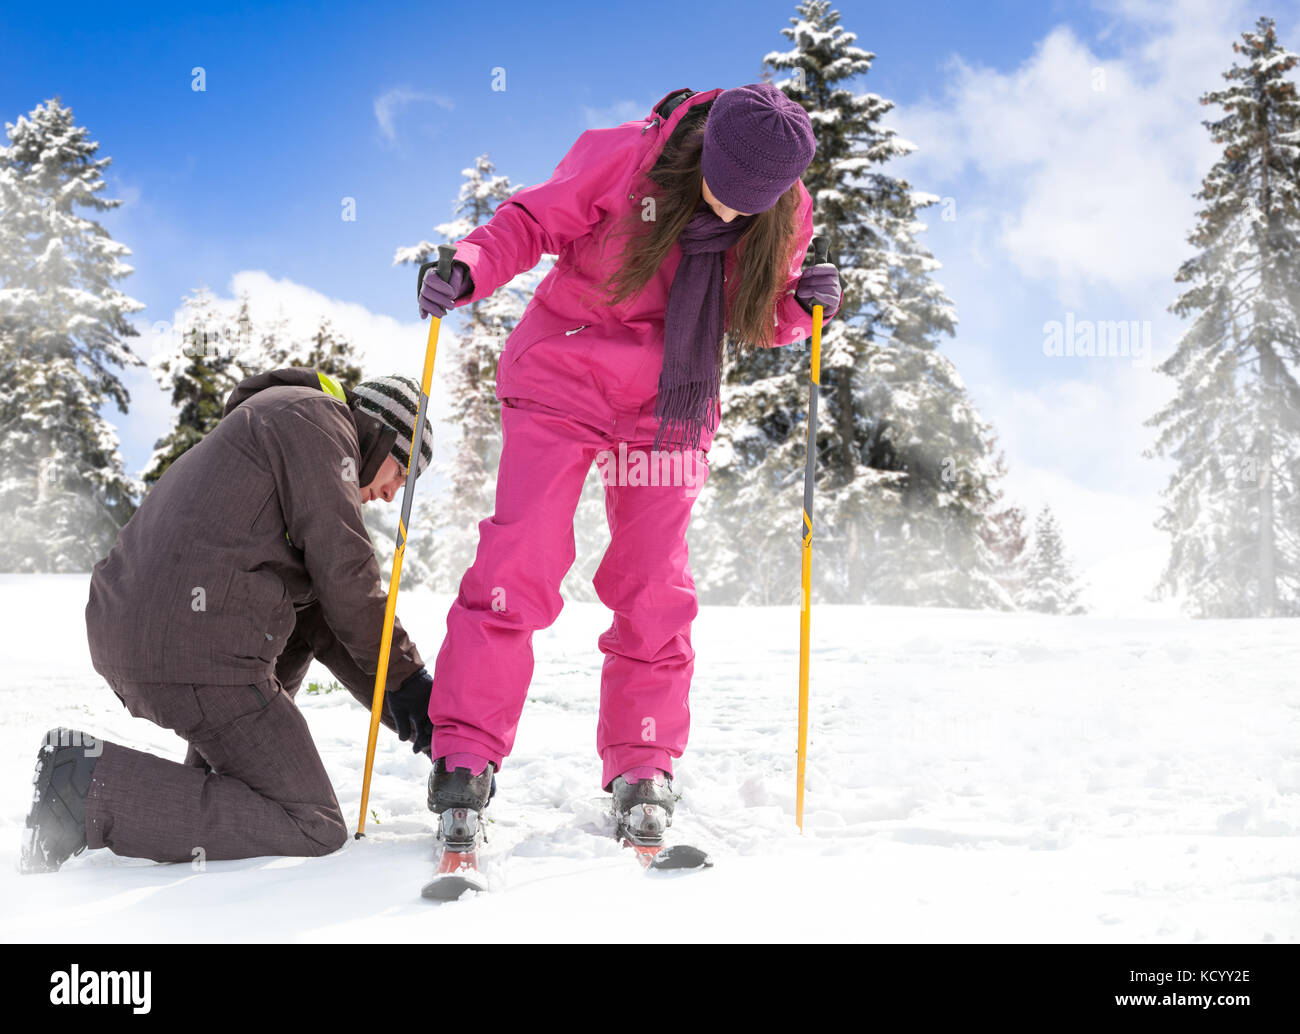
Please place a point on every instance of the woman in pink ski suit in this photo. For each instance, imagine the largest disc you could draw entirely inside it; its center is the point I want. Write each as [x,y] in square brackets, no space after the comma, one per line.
[585,379]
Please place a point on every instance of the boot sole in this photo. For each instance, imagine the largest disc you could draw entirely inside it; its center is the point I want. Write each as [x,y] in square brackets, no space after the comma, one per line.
[34,857]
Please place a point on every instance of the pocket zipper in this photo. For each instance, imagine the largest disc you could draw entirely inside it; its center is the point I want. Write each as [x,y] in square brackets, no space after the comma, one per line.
[576,329]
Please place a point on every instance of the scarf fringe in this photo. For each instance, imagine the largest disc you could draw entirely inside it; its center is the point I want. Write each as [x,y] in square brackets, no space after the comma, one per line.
[685,411]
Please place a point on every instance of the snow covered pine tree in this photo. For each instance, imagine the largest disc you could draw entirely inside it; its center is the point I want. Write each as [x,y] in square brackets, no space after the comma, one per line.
[905,474]
[63,331]
[1232,505]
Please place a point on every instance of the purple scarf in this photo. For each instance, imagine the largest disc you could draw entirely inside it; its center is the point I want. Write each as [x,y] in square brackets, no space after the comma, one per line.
[691,377]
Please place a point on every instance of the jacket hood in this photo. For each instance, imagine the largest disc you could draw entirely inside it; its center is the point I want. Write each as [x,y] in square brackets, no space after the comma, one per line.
[296,376]
[662,126]
[374,438]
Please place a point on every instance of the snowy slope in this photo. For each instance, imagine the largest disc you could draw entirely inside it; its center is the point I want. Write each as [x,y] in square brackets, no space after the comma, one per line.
[972,777]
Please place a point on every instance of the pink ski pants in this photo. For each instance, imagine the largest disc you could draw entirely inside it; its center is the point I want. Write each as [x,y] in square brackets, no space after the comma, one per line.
[526,547]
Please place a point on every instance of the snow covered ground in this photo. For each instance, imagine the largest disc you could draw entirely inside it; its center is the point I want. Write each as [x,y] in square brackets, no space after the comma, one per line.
[972,777]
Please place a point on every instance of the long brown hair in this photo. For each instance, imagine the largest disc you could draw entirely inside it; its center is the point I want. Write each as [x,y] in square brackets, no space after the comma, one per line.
[764,251]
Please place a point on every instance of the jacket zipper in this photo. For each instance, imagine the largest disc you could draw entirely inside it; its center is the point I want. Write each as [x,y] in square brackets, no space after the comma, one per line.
[576,329]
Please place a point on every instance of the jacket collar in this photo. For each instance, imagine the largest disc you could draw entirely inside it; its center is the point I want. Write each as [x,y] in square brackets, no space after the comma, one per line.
[660,129]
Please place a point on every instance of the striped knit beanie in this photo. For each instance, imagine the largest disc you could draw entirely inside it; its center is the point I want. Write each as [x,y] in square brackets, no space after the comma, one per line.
[395,401]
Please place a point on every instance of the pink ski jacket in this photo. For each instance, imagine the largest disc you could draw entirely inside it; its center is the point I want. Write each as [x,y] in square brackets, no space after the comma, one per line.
[597,362]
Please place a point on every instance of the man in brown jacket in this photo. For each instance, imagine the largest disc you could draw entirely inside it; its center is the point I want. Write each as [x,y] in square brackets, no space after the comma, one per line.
[246,560]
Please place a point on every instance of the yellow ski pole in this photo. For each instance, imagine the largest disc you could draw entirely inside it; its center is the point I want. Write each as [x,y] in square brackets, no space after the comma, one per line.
[821,246]
[446,253]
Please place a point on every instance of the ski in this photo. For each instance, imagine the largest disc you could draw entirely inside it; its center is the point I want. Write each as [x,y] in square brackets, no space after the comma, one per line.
[462,835]
[659,858]
[457,873]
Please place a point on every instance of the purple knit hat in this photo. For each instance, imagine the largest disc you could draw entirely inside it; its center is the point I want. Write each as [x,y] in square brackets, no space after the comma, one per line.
[757,142]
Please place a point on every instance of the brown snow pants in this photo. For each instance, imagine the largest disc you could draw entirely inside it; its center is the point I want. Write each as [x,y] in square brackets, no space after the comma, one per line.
[252,783]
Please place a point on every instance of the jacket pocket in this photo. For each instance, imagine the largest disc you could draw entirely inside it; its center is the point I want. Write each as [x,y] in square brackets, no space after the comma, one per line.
[272,644]
[265,615]
[516,348]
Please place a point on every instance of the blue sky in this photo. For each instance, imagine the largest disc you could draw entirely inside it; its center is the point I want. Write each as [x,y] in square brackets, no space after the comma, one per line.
[1068,198]
[249,173]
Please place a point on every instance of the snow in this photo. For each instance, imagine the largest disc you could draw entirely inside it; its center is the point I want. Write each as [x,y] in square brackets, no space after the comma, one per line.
[972,777]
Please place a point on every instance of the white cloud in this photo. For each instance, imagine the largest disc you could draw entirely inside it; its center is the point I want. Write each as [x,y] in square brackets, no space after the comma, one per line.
[1090,163]
[388,105]
[150,416]
[387,345]
[382,340]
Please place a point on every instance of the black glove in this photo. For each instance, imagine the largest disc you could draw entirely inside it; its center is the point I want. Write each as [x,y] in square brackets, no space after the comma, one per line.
[409,707]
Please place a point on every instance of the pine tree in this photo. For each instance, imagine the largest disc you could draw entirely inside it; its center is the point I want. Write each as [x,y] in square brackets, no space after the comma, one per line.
[445,536]
[333,354]
[905,479]
[63,488]
[199,375]
[1006,538]
[1050,583]
[280,344]
[277,346]
[326,350]
[1232,505]
[1003,534]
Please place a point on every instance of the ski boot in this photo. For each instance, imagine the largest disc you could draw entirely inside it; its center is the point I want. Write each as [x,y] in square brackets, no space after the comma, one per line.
[56,824]
[644,809]
[459,798]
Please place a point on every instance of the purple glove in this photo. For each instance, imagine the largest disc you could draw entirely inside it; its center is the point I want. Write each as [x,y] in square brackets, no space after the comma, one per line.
[819,285]
[437,295]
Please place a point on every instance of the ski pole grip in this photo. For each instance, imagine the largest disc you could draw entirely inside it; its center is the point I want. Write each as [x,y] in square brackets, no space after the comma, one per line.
[821,249]
[446,252]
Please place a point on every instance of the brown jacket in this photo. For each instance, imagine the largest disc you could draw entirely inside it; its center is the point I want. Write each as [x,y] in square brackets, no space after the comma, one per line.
[261,519]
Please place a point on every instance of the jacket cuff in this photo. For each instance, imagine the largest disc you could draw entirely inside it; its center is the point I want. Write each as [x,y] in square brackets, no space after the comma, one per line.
[792,322]
[471,257]
[468,288]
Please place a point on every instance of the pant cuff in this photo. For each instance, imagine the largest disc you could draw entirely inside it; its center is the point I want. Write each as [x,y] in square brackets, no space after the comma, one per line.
[445,743]
[618,760]
[98,815]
